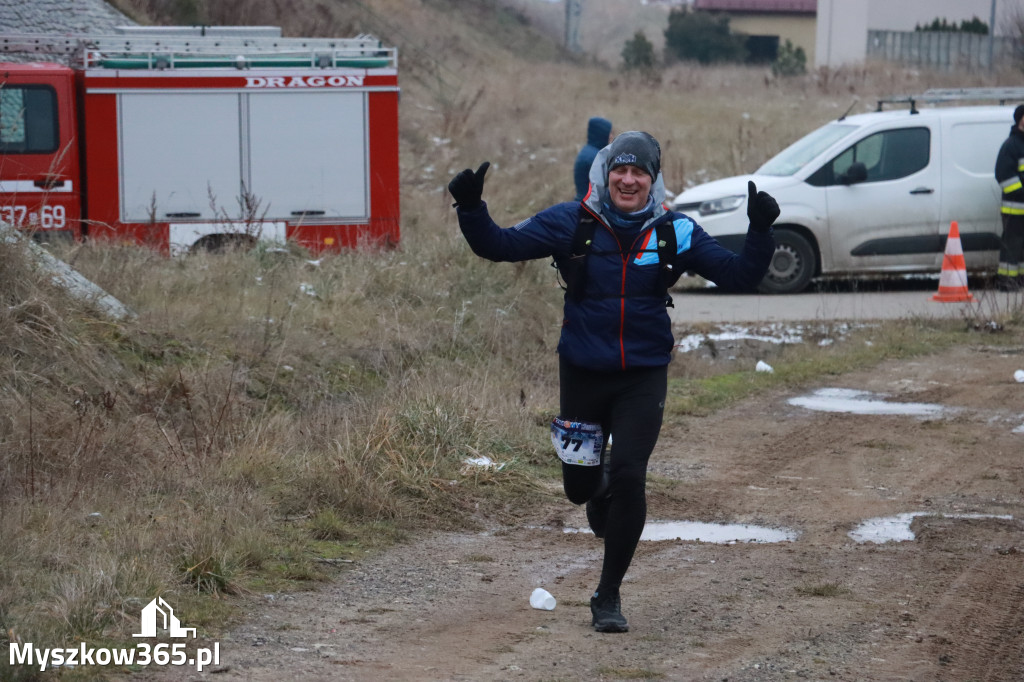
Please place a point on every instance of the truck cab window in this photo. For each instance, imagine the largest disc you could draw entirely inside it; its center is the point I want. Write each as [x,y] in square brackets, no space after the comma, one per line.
[28,120]
[888,155]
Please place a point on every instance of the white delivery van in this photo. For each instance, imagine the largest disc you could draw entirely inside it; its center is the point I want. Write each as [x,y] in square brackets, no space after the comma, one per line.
[875,193]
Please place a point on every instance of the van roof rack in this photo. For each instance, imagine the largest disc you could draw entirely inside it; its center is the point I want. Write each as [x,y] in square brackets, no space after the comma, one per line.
[168,50]
[939,95]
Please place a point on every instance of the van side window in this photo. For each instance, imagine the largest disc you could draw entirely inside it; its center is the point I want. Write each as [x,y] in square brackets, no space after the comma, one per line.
[888,155]
[28,119]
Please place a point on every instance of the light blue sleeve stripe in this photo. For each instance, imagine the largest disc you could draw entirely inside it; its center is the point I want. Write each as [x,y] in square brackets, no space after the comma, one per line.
[684,232]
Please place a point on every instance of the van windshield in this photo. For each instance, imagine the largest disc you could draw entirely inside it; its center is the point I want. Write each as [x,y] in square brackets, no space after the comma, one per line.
[797,155]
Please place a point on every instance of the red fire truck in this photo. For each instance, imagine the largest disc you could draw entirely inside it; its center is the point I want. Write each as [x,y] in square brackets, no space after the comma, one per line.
[186,141]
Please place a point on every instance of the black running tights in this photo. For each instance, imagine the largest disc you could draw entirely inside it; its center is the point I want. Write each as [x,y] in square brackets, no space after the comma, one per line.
[629,406]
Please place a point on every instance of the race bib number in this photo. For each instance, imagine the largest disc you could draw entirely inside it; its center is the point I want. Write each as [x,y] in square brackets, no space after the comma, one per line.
[577,442]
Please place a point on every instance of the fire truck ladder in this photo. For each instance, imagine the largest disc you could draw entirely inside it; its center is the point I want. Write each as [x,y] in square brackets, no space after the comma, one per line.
[173,50]
[945,95]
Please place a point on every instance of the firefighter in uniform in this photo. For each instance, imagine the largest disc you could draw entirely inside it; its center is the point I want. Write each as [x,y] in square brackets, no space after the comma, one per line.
[1010,176]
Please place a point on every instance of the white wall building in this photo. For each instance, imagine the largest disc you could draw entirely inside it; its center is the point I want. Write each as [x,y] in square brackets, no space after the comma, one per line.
[842,25]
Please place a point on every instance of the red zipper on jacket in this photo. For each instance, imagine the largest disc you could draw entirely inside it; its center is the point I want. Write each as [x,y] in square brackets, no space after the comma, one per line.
[625,257]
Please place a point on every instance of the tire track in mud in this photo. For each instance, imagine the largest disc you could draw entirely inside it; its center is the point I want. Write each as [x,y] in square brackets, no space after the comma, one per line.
[973,625]
[984,641]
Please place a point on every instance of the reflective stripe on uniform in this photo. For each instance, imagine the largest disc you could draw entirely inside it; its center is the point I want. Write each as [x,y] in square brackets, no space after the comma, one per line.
[1012,207]
[1010,185]
[1008,270]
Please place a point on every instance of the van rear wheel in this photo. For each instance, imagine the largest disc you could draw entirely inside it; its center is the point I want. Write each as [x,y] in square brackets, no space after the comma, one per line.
[792,266]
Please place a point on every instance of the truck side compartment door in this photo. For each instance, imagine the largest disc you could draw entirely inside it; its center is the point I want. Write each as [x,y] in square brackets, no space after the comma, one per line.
[40,187]
[180,156]
[311,166]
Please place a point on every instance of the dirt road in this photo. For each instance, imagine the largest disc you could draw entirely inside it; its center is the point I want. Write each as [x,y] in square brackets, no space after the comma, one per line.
[945,605]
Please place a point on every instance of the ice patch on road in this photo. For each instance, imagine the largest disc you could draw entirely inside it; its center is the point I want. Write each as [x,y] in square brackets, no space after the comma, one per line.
[719,533]
[862,402]
[716,533]
[777,333]
[897,528]
[854,401]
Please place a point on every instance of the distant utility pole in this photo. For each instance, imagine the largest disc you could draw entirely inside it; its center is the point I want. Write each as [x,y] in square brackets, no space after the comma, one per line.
[992,36]
[573,9]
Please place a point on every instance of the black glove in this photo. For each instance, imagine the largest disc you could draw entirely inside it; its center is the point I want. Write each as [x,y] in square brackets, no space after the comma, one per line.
[762,209]
[467,187]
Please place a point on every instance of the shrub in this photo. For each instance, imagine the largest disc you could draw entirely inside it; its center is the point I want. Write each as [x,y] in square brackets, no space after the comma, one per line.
[791,60]
[704,37]
[638,53]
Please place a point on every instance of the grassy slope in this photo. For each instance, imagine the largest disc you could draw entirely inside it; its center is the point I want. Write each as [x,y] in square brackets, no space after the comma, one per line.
[314,410]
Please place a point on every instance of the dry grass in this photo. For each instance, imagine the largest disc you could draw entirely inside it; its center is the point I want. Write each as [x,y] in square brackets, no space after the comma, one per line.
[264,410]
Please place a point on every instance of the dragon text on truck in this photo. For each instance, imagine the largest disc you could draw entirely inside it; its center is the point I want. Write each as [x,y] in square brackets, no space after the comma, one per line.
[181,141]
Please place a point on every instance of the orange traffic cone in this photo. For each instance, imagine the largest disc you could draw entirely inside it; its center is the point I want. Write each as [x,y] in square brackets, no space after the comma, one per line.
[953,280]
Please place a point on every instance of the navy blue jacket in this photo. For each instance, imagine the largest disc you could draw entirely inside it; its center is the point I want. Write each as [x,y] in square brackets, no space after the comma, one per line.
[598,131]
[1010,171]
[622,321]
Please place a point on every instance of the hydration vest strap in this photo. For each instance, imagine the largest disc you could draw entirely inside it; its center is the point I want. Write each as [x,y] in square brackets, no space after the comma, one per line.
[574,273]
[665,233]
[582,239]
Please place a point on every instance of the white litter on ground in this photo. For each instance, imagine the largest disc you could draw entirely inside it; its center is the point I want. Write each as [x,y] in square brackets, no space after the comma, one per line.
[484,462]
[862,402]
[542,599]
[897,528]
[763,366]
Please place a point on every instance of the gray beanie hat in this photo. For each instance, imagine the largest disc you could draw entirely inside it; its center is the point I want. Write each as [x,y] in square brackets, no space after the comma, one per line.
[635,148]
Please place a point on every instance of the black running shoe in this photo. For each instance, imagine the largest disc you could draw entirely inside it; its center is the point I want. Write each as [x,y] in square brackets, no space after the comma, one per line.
[607,612]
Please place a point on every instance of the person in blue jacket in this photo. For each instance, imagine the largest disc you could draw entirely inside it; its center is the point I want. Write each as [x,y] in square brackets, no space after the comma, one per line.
[599,134]
[616,340]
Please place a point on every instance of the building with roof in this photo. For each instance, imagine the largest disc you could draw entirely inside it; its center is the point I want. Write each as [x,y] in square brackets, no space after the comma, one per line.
[769,23]
[836,32]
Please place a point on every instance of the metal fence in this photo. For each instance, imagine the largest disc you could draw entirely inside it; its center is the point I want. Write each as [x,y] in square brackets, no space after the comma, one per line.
[945,50]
